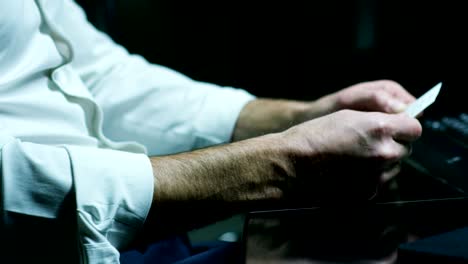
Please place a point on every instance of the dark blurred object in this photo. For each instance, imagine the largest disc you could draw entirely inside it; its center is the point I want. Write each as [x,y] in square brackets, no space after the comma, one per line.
[442,150]
[102,14]
[450,247]
[393,232]
[299,49]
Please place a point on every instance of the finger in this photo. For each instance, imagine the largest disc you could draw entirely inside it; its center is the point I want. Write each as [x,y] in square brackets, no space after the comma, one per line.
[378,100]
[404,128]
[397,91]
[404,149]
[383,101]
[395,105]
[390,173]
[409,148]
[392,152]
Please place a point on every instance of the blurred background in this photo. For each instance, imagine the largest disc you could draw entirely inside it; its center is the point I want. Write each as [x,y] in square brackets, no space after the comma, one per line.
[304,49]
[296,49]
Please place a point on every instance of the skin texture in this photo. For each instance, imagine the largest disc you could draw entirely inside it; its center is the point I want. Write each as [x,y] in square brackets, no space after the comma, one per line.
[344,144]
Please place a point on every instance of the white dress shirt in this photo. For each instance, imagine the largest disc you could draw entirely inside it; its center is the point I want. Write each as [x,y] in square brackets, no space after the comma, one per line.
[80,115]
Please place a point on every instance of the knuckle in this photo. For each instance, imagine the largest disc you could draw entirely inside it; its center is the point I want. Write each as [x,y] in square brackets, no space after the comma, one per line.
[379,98]
[381,128]
[386,83]
[386,154]
[375,96]
[344,113]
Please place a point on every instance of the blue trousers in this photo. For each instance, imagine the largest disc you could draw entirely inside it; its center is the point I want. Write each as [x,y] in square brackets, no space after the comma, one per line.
[179,250]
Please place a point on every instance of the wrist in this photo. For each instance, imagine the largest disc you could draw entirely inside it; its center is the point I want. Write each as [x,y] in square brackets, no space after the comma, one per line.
[320,107]
[281,149]
[305,156]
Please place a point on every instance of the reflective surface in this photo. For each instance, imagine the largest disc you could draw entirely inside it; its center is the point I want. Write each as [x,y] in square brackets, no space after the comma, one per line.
[418,219]
[431,231]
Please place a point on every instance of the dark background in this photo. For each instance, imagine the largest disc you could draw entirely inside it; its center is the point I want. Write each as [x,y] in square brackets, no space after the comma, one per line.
[297,49]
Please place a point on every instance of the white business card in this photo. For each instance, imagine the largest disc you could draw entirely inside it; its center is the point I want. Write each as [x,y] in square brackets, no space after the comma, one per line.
[424,101]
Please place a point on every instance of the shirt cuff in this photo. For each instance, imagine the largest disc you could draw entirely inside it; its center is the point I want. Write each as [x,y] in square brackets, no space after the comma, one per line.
[114,191]
[217,118]
[36,178]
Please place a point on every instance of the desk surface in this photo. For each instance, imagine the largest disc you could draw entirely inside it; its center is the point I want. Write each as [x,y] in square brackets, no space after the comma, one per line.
[399,232]
[407,228]
[421,219]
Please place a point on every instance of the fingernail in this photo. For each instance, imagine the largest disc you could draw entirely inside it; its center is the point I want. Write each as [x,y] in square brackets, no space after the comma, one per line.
[397,106]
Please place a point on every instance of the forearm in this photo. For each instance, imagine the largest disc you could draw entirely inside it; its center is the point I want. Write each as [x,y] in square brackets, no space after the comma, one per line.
[210,184]
[263,116]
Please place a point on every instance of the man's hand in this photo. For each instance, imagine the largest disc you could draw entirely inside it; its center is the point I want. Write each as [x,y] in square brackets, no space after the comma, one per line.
[340,156]
[296,150]
[351,152]
[377,96]
[263,116]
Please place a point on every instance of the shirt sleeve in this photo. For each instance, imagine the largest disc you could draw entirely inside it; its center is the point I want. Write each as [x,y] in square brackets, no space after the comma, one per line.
[158,107]
[112,193]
